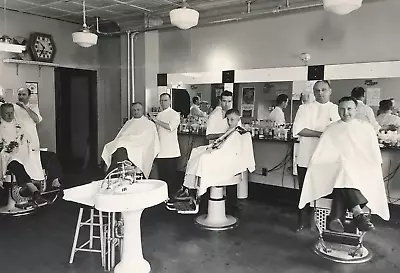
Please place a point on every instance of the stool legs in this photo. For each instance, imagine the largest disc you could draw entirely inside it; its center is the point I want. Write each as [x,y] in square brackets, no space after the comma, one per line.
[91,223]
[78,227]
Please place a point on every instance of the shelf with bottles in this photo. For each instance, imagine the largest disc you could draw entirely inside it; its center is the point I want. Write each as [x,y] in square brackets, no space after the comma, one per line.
[193,125]
[264,129]
[389,139]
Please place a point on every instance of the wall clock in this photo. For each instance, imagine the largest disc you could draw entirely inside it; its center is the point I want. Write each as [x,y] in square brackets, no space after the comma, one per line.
[42,47]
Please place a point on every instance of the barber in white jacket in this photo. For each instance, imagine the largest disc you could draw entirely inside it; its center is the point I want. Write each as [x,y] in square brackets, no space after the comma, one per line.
[167,123]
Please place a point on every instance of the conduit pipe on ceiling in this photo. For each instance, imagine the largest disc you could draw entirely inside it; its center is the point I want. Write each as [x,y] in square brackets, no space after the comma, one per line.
[214,21]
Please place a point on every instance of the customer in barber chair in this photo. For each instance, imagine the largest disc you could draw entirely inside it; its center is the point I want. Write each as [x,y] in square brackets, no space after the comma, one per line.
[217,163]
[137,142]
[347,163]
[217,125]
[15,153]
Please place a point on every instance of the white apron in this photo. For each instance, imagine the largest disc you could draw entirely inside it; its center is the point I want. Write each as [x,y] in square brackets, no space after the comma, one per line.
[347,156]
[13,132]
[34,168]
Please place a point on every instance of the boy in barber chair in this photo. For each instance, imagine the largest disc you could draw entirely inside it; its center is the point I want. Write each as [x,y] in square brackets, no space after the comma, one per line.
[14,153]
[190,189]
[347,163]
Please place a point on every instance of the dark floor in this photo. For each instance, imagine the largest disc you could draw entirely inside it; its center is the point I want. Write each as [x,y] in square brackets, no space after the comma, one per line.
[263,242]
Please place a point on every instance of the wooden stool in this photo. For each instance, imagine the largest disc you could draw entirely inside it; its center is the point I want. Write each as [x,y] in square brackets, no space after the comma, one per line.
[88,245]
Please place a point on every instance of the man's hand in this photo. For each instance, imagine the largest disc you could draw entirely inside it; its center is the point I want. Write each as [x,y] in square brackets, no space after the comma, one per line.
[1,146]
[21,104]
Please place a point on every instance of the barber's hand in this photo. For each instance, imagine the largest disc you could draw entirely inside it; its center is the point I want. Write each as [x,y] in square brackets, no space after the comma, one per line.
[21,104]
[2,100]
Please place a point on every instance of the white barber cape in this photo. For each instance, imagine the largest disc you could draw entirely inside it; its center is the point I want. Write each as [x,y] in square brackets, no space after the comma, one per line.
[347,156]
[218,167]
[140,139]
[34,168]
[13,132]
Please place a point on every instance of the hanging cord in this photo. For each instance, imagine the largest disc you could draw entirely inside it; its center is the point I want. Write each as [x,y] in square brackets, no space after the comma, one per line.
[5,17]
[84,14]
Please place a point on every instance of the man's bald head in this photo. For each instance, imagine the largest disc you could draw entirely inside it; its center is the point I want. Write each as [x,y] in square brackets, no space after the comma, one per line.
[137,110]
[24,94]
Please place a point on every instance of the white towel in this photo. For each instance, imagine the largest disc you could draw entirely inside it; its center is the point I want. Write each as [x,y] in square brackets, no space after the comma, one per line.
[140,139]
[218,167]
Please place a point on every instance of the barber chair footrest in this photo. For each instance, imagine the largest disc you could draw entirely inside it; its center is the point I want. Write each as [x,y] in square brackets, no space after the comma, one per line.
[342,253]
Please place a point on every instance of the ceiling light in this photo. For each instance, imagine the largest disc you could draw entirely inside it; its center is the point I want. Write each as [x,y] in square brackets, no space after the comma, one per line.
[84,38]
[184,18]
[342,7]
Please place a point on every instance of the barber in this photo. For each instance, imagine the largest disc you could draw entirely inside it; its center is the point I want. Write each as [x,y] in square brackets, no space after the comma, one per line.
[310,122]
[167,122]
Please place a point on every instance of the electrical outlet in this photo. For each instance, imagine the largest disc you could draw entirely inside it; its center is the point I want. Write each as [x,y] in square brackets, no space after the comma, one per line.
[264,171]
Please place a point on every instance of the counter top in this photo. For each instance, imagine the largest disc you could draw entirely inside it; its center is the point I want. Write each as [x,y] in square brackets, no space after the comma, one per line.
[254,138]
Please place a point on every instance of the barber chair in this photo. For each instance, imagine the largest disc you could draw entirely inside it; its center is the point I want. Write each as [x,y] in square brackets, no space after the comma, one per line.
[346,247]
[18,204]
[216,217]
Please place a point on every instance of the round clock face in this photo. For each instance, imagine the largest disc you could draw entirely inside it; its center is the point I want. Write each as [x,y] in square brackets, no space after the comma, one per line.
[43,47]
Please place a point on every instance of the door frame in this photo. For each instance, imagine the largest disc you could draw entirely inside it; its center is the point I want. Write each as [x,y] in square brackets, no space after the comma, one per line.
[93,107]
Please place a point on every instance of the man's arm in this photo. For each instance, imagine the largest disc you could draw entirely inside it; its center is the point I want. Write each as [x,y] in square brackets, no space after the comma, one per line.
[213,136]
[34,116]
[171,125]
[309,133]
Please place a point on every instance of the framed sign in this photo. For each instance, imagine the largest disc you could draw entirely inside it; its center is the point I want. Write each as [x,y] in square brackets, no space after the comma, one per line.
[33,87]
[247,105]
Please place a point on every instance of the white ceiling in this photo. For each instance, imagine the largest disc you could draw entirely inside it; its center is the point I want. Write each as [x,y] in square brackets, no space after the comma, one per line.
[132,14]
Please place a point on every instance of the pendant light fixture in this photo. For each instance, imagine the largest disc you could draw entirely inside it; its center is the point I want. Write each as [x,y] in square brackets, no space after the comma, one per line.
[342,7]
[84,38]
[184,17]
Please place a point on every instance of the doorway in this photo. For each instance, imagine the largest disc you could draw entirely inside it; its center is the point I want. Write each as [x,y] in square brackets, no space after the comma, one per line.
[76,118]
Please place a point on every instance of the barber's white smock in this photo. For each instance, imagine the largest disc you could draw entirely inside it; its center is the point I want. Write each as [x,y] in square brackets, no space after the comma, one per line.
[140,139]
[314,116]
[34,169]
[365,113]
[277,115]
[217,122]
[347,156]
[10,132]
[169,145]
[217,167]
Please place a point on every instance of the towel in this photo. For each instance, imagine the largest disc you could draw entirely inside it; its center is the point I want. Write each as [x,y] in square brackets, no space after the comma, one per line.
[347,156]
[218,167]
[140,139]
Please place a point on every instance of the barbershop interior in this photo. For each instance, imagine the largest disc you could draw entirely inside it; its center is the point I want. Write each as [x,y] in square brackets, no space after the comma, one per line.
[174,136]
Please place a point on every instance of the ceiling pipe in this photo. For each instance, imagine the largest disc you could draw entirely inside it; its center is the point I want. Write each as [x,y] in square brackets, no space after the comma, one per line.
[214,21]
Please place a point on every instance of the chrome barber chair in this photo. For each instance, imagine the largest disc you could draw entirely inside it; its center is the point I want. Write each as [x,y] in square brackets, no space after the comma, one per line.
[18,204]
[114,225]
[346,247]
[216,218]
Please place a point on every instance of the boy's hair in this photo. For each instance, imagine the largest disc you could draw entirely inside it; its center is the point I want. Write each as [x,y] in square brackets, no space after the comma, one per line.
[232,111]
[6,105]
